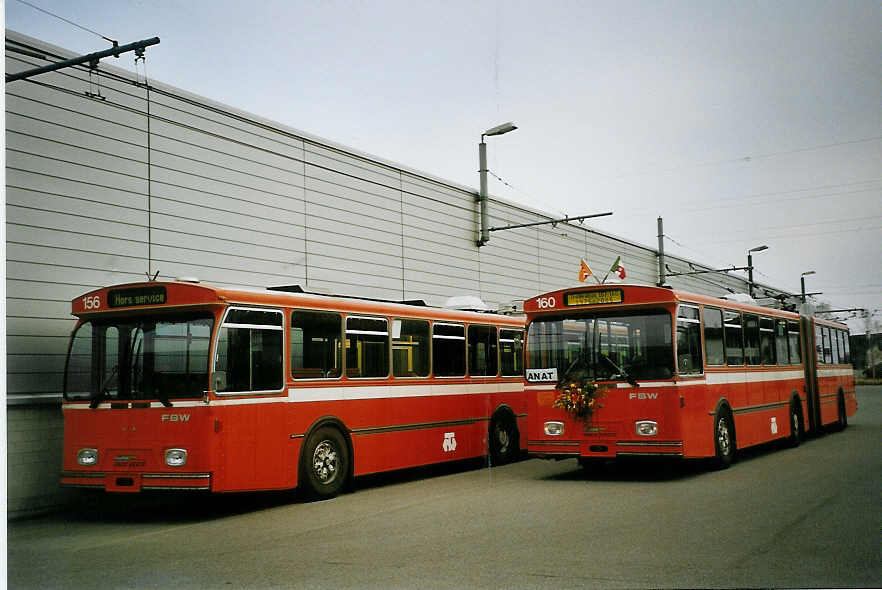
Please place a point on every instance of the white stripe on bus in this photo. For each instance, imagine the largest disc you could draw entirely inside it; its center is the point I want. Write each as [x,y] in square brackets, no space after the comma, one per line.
[338,393]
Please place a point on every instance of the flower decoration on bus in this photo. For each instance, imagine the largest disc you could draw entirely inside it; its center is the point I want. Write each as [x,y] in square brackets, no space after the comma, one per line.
[579,398]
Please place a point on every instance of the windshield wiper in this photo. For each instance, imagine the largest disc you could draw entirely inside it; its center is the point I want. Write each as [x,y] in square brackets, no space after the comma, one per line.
[619,372]
[103,391]
[580,363]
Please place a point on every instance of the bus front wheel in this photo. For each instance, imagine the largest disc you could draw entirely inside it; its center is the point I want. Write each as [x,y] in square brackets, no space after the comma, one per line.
[724,439]
[325,464]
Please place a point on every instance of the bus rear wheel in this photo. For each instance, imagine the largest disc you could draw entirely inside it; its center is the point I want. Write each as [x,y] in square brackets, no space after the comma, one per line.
[842,421]
[796,428]
[325,465]
[504,440]
[724,439]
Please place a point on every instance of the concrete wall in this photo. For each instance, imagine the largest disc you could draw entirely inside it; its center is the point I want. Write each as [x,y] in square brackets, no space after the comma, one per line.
[109,181]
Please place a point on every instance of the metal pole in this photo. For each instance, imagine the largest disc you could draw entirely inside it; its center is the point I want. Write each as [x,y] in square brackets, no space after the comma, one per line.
[551,221]
[661,253]
[749,274]
[92,57]
[802,282]
[482,172]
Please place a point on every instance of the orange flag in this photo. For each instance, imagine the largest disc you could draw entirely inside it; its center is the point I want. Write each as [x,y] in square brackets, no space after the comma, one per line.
[584,271]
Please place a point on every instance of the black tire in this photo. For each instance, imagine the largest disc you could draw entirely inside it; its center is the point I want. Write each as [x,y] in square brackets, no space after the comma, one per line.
[842,422]
[724,439]
[325,465]
[504,440]
[797,430]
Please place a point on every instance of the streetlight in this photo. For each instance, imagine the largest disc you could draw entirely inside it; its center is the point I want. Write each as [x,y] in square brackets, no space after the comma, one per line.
[802,281]
[482,171]
[750,267]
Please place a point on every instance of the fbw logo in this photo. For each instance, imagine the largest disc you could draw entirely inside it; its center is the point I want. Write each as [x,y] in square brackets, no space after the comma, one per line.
[449,444]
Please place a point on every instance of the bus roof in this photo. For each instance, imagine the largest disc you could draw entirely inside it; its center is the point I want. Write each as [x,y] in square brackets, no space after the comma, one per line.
[165,295]
[616,295]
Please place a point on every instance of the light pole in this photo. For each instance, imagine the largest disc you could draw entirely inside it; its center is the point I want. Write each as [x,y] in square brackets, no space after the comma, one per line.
[482,172]
[750,267]
[802,281]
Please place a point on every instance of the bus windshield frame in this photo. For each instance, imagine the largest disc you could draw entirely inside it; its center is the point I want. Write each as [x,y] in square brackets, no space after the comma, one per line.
[140,357]
[603,345]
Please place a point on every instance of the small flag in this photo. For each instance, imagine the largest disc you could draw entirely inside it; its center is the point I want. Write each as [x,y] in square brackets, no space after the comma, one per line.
[584,271]
[618,268]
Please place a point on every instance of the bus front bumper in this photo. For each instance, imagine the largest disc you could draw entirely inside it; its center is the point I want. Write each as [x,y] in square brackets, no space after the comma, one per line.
[135,482]
[563,449]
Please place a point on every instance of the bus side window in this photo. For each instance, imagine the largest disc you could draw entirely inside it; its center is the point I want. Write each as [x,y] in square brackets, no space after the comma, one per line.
[793,342]
[316,351]
[752,339]
[410,348]
[734,338]
[828,346]
[249,351]
[511,346]
[483,351]
[781,342]
[819,343]
[835,345]
[767,340]
[713,336]
[846,348]
[367,347]
[689,341]
[448,349]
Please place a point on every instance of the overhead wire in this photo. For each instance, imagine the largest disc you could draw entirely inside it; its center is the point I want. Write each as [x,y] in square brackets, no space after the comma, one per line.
[748,158]
[803,225]
[732,202]
[70,22]
[798,236]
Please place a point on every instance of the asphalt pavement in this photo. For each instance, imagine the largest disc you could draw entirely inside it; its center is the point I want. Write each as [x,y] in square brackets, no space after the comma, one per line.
[805,517]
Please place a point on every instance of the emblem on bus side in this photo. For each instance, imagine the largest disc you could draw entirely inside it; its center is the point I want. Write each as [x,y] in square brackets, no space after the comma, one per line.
[534,375]
[449,444]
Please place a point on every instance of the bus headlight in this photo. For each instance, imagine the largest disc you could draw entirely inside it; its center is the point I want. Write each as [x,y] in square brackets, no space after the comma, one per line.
[647,428]
[87,457]
[554,428]
[176,457]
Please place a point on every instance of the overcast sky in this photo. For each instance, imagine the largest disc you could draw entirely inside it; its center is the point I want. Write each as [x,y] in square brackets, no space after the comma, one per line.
[740,123]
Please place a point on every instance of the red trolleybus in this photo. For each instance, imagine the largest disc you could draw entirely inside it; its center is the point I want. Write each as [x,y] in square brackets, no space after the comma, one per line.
[176,385]
[678,374]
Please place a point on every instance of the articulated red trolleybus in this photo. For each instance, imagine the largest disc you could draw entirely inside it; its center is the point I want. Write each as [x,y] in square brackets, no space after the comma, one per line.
[676,374]
[177,385]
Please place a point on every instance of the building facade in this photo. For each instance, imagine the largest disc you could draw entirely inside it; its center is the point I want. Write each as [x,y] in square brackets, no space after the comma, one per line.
[111,180]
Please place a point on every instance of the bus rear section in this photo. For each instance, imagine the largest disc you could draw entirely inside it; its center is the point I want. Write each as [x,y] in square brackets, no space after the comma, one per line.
[830,374]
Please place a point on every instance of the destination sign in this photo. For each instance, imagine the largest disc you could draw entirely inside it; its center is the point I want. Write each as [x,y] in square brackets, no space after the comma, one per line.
[595,297]
[136,296]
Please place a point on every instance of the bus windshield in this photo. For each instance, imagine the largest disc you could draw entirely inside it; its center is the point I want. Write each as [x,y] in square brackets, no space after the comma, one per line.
[622,346]
[139,358]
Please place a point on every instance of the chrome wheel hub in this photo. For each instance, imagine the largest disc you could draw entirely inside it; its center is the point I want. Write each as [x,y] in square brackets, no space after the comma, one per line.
[724,443]
[502,438]
[325,462]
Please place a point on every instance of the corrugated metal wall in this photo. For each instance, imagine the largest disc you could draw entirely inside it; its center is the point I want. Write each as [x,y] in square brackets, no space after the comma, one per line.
[98,193]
